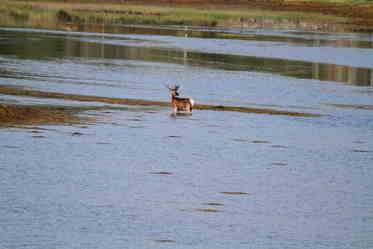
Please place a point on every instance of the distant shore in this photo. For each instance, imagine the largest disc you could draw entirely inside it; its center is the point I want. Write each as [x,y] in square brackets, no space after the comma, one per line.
[311,15]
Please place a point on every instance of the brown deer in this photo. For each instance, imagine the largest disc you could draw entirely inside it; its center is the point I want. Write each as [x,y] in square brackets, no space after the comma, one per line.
[180,104]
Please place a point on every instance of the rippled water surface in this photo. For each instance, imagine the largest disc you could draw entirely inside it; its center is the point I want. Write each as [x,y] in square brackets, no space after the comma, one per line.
[136,177]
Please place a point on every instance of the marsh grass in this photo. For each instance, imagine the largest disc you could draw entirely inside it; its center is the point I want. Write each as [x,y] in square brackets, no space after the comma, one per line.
[36,13]
[13,115]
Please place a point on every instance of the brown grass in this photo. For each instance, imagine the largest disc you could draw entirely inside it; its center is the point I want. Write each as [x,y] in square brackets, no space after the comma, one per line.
[13,115]
[237,13]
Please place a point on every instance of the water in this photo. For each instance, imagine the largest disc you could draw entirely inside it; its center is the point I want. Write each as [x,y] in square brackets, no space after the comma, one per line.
[139,178]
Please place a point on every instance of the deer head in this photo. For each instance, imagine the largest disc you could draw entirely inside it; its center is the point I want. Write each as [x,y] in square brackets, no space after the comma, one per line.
[173,90]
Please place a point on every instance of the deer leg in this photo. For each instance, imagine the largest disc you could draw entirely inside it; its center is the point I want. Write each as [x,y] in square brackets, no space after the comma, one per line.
[174,111]
[190,108]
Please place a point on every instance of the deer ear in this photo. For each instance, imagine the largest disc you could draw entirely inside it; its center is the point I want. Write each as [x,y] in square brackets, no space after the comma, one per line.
[177,87]
[167,86]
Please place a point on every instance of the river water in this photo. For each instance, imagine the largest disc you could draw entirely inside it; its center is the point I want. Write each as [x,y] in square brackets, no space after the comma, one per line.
[136,177]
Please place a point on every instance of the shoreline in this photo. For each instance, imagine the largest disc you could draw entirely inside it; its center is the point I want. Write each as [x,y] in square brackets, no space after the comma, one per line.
[274,14]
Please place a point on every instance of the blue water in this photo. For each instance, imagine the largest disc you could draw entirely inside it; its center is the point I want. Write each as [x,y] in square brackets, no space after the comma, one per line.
[297,182]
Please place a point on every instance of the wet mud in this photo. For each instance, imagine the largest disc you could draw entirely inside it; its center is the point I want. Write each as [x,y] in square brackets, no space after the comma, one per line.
[39,136]
[208,210]
[161,173]
[214,204]
[260,142]
[165,241]
[362,151]
[279,164]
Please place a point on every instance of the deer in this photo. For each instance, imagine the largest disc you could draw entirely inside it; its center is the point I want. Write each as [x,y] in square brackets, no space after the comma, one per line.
[180,104]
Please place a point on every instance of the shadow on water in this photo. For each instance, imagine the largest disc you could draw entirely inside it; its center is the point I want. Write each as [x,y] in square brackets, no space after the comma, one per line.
[62,46]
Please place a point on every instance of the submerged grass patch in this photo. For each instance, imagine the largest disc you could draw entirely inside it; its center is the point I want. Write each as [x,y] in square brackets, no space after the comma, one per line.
[15,115]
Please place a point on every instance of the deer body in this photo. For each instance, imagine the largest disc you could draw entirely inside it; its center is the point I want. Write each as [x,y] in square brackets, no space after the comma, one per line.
[180,104]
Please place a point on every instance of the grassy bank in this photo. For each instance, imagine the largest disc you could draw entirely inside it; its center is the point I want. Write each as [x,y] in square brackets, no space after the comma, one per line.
[193,2]
[42,13]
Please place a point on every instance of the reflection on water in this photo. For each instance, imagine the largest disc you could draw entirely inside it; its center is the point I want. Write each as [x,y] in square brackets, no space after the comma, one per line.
[61,46]
[350,75]
[312,39]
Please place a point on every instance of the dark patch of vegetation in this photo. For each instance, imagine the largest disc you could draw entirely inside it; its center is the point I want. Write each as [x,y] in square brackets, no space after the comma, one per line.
[361,151]
[13,115]
[208,210]
[260,142]
[63,16]
[161,173]
[214,204]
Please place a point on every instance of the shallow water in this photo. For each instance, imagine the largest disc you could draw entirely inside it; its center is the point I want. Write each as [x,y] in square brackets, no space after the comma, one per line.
[140,178]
